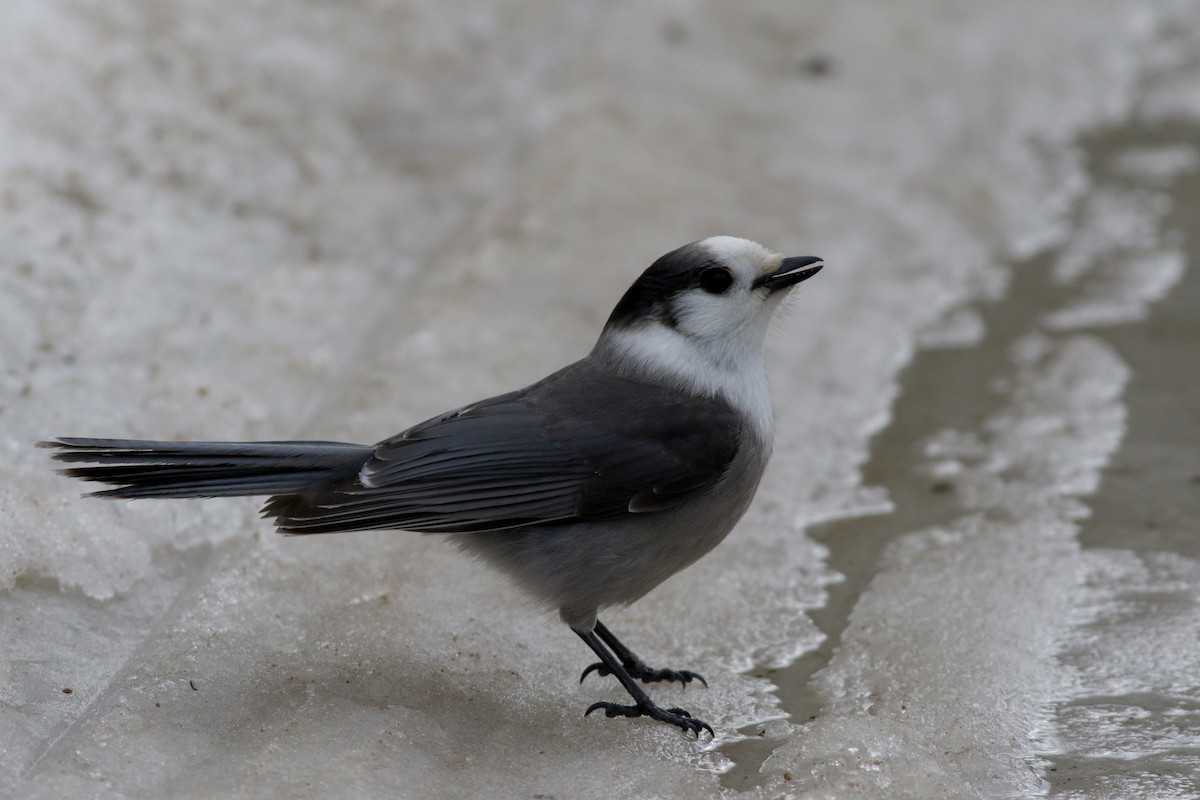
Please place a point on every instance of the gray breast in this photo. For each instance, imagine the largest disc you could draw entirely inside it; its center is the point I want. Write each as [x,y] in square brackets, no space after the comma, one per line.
[584,566]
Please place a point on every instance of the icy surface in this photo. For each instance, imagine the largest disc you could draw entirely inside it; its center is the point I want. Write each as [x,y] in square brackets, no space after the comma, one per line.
[951,663]
[273,220]
[1133,653]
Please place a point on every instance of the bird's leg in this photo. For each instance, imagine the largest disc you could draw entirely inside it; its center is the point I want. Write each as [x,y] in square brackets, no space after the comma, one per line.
[635,666]
[642,706]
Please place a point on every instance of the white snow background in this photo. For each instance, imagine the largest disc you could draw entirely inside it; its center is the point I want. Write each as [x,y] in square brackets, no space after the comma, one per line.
[271,220]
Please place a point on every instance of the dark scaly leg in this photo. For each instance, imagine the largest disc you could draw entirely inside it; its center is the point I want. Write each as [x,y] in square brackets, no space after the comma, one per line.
[635,666]
[642,706]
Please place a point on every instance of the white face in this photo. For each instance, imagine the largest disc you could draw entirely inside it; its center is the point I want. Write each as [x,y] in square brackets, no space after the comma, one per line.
[697,318]
[735,315]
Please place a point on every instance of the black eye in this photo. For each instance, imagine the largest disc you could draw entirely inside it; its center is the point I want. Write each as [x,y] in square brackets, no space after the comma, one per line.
[715,280]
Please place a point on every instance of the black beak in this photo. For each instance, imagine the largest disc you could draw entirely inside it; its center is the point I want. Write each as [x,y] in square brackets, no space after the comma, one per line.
[791,272]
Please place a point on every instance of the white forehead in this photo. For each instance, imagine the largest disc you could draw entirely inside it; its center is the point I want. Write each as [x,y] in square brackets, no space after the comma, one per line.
[742,253]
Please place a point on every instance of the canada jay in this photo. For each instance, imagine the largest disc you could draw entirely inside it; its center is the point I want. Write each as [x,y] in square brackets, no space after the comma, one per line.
[589,487]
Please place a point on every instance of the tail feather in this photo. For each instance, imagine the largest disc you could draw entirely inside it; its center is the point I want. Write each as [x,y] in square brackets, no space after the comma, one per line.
[138,468]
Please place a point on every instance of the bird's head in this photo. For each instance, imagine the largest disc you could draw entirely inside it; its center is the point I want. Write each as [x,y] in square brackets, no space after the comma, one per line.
[702,307]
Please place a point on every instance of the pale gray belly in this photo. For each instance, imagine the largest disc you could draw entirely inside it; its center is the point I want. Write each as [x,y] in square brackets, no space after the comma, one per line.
[582,567]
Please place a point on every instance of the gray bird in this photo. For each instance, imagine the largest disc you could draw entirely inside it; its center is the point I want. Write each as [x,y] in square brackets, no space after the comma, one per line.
[588,488]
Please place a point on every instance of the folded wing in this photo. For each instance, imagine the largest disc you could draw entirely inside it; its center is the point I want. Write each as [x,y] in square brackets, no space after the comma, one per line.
[539,456]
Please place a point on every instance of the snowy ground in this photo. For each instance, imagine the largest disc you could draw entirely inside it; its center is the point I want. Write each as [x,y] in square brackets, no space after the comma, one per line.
[973,569]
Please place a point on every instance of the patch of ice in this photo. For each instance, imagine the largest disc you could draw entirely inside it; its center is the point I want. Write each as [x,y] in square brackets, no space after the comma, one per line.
[954,641]
[1135,697]
[1157,164]
[1119,291]
[962,327]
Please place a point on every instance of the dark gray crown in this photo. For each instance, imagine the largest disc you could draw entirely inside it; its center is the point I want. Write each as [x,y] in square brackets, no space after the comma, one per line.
[650,295]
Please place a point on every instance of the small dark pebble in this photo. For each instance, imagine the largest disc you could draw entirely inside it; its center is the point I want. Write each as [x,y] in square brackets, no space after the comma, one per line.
[674,32]
[942,487]
[817,65]
[68,691]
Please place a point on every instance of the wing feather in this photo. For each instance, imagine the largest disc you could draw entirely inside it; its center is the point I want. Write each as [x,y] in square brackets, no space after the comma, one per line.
[578,445]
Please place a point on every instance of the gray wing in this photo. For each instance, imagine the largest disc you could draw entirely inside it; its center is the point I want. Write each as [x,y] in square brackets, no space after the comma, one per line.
[546,454]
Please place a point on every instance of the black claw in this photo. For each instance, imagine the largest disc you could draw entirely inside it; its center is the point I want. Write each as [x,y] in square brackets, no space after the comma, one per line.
[647,674]
[672,716]
[597,668]
[634,666]
[617,659]
[614,710]
[682,676]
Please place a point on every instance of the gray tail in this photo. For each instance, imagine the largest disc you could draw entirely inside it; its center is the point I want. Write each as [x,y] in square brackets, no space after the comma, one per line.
[206,469]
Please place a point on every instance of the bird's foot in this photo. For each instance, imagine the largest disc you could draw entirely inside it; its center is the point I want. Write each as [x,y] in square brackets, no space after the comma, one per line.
[645,674]
[672,716]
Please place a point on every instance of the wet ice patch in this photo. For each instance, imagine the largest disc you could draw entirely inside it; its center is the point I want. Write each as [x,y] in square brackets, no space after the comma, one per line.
[1157,165]
[1116,260]
[1135,697]
[1065,392]
[959,328]
[954,640]
[864,758]
[1120,291]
